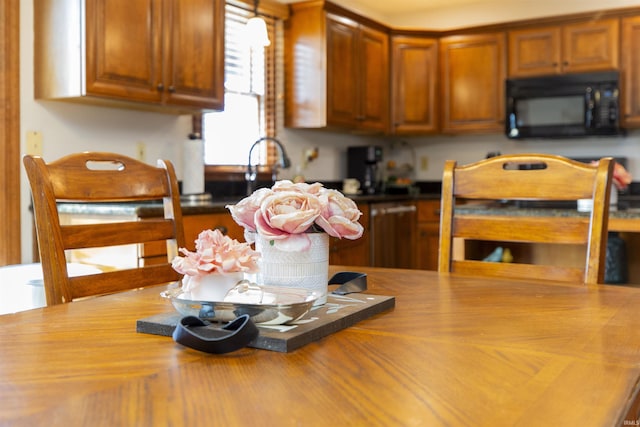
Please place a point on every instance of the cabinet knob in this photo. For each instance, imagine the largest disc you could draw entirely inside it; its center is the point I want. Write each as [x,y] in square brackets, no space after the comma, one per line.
[160,87]
[172,89]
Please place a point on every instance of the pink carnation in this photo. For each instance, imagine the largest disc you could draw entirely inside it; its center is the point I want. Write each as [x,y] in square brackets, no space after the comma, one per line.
[216,253]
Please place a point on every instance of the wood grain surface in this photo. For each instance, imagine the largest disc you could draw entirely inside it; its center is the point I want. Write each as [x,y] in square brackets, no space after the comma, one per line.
[455,350]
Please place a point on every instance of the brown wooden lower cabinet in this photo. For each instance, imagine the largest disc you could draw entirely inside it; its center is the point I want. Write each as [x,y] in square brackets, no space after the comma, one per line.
[352,252]
[428,235]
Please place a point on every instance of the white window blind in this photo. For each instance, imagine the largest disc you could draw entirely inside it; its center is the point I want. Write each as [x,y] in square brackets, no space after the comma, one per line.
[249,90]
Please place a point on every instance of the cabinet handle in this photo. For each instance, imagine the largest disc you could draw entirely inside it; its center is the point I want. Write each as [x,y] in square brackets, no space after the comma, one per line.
[172,89]
[565,63]
[160,87]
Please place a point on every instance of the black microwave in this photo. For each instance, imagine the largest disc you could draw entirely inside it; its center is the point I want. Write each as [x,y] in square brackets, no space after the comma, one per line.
[567,106]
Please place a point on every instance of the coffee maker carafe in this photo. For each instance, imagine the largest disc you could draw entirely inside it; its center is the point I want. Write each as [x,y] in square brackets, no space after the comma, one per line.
[362,164]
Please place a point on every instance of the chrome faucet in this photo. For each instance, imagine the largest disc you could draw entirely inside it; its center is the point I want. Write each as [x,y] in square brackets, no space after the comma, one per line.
[251,175]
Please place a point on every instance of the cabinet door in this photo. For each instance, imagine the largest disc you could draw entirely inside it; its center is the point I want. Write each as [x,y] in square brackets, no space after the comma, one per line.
[535,51]
[472,76]
[428,239]
[124,49]
[373,84]
[590,46]
[414,77]
[194,55]
[352,252]
[427,246]
[630,77]
[342,71]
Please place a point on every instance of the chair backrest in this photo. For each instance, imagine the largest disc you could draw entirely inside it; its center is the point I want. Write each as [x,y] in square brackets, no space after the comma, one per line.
[98,178]
[525,177]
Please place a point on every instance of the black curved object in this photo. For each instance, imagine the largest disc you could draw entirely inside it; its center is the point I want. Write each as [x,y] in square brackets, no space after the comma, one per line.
[197,334]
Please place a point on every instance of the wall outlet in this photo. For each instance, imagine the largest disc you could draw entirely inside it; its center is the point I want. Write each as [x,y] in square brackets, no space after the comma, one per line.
[424,163]
[141,151]
[34,143]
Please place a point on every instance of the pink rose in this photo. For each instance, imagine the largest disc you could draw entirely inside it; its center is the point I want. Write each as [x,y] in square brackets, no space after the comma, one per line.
[288,211]
[301,187]
[285,215]
[339,215]
[244,211]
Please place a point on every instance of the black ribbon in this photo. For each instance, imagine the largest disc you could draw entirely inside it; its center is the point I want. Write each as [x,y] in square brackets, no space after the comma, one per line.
[195,333]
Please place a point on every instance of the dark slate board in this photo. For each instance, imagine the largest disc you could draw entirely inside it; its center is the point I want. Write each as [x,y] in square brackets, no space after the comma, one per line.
[340,311]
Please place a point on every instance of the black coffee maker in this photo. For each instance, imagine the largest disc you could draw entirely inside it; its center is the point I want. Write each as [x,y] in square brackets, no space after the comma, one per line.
[362,164]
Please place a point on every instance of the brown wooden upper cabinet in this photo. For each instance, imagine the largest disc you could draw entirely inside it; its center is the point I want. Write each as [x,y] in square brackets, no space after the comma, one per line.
[337,71]
[473,69]
[160,54]
[630,73]
[570,48]
[414,71]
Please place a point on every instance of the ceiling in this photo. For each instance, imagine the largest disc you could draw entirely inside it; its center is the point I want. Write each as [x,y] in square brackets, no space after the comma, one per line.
[386,7]
[449,14]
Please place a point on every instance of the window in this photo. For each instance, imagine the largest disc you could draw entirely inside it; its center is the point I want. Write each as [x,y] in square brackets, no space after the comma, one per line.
[249,96]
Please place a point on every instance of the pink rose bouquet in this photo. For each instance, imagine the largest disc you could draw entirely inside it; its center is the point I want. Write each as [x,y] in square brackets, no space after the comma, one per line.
[216,253]
[286,212]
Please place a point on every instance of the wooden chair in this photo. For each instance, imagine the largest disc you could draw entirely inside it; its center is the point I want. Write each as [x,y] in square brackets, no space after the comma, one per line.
[525,177]
[96,178]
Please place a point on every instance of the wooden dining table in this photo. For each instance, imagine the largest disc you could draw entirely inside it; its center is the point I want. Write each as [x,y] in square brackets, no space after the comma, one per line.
[455,350]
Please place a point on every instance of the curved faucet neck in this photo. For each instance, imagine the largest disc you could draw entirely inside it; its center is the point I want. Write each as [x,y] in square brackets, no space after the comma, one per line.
[284,162]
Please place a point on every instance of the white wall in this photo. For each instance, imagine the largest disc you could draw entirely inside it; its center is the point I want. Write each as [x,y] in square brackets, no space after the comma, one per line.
[70,128]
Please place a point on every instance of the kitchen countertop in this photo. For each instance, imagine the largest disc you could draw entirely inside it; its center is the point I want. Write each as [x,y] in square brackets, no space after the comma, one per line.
[143,210]
[627,219]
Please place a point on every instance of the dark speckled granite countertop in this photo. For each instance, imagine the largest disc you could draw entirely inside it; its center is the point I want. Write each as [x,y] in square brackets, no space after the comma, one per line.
[626,219]
[144,210]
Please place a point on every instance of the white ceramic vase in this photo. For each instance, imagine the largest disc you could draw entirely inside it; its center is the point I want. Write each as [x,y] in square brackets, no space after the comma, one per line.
[303,269]
[209,287]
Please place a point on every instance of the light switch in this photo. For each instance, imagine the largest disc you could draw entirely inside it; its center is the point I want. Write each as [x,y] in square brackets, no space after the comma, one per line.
[424,163]
[141,151]
[34,143]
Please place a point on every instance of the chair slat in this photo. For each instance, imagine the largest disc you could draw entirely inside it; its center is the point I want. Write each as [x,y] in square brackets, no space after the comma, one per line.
[531,229]
[117,233]
[121,280]
[542,272]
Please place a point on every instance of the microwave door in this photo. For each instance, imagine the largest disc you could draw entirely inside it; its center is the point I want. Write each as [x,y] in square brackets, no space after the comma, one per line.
[544,117]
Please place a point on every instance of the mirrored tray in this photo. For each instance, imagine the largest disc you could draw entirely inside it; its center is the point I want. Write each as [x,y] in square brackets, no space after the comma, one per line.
[267,305]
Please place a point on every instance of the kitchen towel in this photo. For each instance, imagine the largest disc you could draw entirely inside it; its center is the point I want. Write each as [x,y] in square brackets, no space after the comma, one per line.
[193,166]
